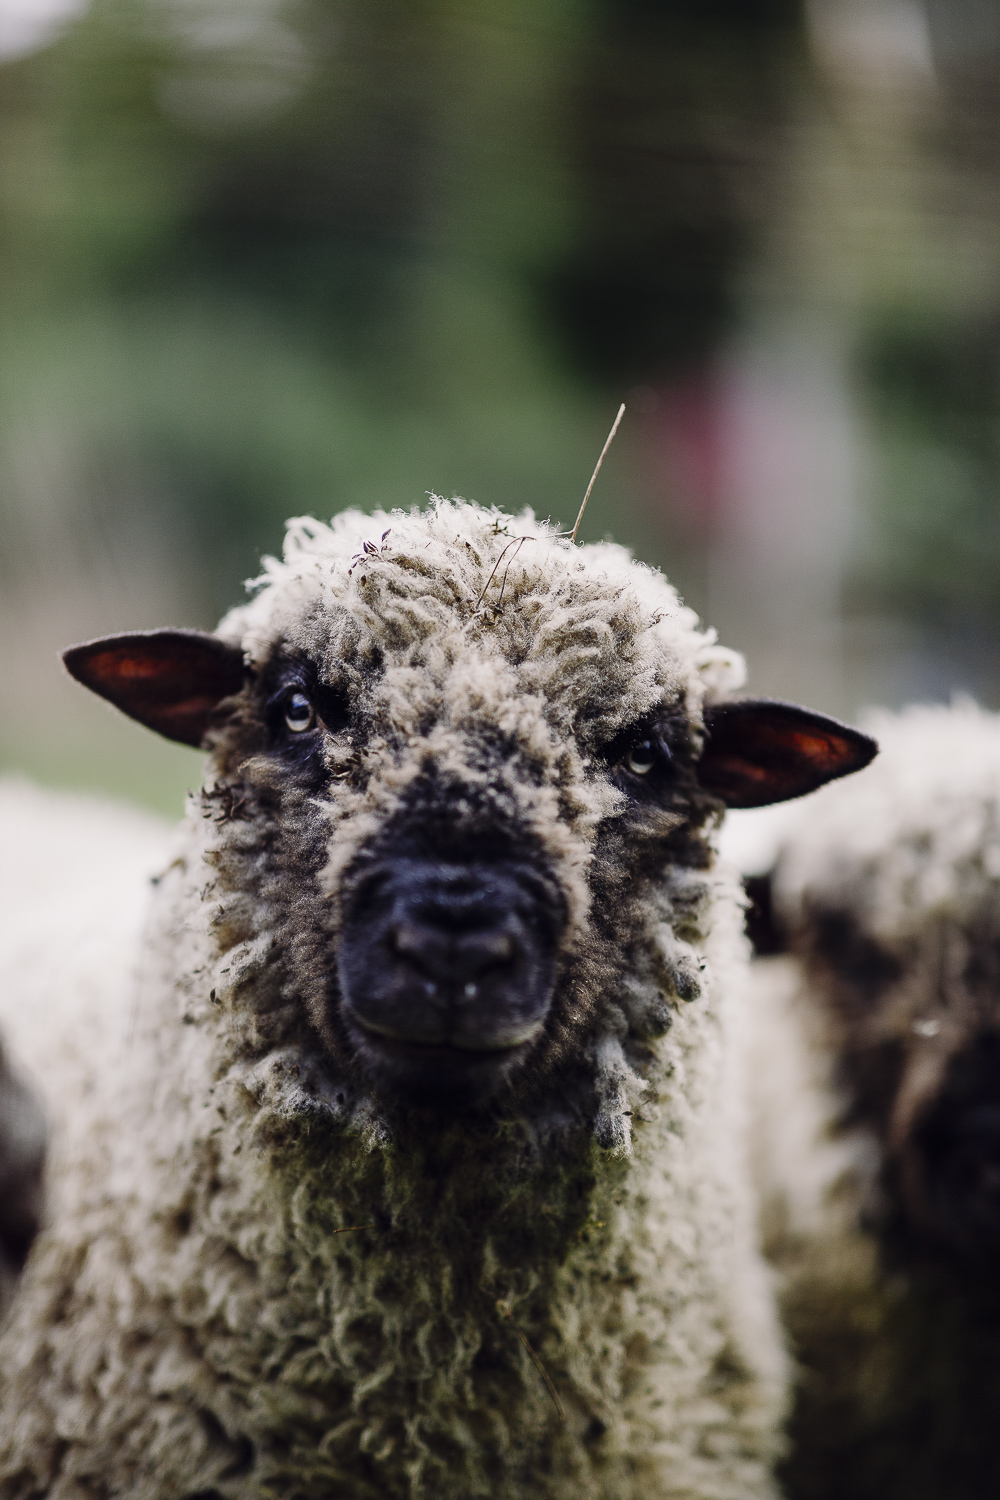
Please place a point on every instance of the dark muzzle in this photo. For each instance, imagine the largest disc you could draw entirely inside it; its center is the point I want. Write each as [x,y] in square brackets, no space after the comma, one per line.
[952,1164]
[446,973]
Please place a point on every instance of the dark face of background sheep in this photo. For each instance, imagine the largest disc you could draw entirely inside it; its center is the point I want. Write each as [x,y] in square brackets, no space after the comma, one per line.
[22,1161]
[918,1022]
[448,811]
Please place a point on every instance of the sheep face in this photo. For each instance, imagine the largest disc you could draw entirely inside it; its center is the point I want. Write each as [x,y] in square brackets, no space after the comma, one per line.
[440,845]
[468,808]
[895,906]
[460,803]
[917,1023]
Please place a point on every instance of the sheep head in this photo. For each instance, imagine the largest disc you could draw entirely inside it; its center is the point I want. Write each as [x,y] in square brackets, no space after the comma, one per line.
[892,899]
[456,764]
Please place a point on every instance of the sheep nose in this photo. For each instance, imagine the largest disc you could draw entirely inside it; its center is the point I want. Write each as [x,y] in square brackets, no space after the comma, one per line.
[451,959]
[952,1163]
[958,1163]
[446,969]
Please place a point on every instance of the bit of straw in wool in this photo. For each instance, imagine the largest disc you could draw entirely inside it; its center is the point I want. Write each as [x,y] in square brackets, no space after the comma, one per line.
[504,1309]
[517,541]
[597,470]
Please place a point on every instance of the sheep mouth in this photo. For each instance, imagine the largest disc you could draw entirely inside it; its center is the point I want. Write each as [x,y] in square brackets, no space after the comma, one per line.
[512,1039]
[435,1074]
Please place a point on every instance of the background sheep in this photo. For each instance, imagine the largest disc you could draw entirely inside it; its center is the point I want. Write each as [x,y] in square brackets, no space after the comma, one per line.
[878,1115]
[72,891]
[420,1170]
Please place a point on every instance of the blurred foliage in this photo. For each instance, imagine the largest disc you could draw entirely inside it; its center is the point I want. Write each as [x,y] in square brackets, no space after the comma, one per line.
[262,258]
[929,372]
[284,258]
[934,401]
[265,257]
[676,119]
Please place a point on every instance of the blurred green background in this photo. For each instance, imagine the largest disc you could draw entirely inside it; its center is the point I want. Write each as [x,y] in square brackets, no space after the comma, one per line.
[266,257]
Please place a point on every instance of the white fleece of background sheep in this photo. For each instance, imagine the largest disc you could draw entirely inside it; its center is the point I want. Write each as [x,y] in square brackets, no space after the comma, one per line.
[74,889]
[669,1267]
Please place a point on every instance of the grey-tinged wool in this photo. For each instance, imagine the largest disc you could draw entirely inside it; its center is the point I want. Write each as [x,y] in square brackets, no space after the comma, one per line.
[264,1279]
[890,892]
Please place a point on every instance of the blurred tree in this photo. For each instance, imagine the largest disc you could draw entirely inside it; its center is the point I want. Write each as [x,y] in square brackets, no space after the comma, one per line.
[934,399]
[389,189]
[260,257]
[675,112]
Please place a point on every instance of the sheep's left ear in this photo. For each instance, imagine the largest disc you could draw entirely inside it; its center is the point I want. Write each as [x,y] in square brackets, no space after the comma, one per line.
[758,751]
[170,680]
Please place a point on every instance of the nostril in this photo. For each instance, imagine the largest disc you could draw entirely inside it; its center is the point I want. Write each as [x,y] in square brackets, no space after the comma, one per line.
[461,959]
[408,940]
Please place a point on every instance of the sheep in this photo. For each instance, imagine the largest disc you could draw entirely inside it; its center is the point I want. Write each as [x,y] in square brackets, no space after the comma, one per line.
[420,1169]
[877,1136]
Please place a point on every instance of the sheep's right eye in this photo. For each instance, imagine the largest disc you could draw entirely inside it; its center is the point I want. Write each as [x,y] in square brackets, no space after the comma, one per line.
[299,715]
[642,758]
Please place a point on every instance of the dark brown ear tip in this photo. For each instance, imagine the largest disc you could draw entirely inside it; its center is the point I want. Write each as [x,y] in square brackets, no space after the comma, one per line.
[74,659]
[79,661]
[866,748]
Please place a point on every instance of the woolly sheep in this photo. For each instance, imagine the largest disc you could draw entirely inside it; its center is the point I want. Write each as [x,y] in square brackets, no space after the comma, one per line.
[418,1170]
[878,1116]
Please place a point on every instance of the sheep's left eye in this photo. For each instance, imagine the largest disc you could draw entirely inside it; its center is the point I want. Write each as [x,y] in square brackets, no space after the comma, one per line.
[641,759]
[299,714]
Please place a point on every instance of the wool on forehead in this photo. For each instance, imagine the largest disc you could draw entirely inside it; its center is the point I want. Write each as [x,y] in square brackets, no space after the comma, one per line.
[458,579]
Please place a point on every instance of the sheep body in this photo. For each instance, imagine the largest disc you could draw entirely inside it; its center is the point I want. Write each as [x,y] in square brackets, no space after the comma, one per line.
[860,1042]
[260,1279]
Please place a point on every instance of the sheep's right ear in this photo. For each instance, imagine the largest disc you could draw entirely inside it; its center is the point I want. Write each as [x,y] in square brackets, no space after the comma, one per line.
[170,680]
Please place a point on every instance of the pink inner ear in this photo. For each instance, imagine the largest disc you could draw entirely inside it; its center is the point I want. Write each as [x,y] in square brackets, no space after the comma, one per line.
[170,680]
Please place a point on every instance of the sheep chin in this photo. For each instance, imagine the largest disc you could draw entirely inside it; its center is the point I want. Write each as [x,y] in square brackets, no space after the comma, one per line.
[444,1078]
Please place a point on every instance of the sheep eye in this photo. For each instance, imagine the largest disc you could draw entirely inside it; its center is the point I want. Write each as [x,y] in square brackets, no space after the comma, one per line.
[299,714]
[642,757]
